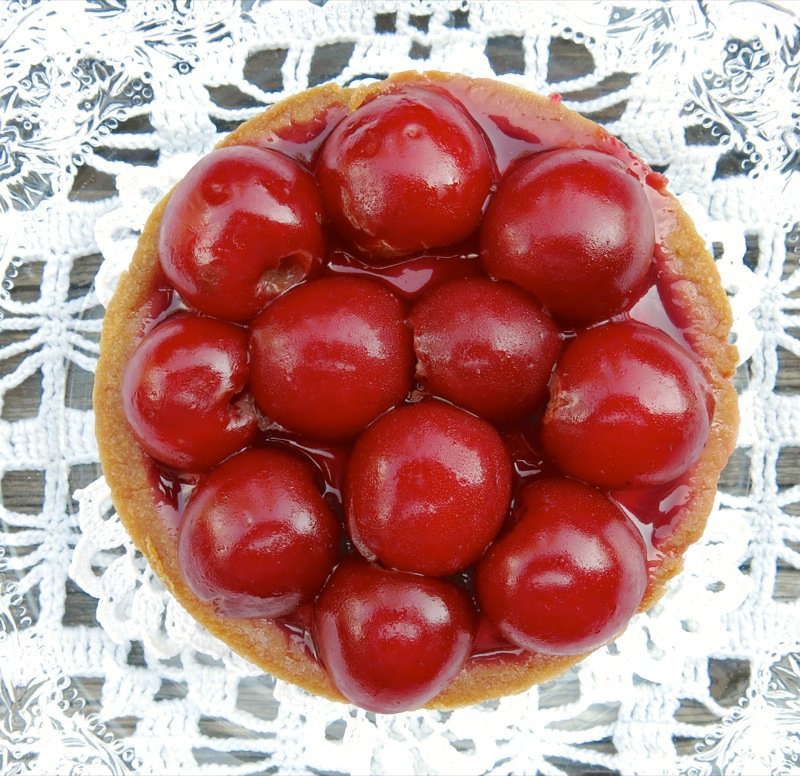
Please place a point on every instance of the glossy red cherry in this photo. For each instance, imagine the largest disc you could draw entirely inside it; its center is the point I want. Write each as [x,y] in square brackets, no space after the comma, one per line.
[183,392]
[568,575]
[330,356]
[242,226]
[405,172]
[574,228]
[427,488]
[628,408]
[256,537]
[486,346]
[391,641]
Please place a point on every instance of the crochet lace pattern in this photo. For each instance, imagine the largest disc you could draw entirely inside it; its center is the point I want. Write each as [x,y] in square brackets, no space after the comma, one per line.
[103,106]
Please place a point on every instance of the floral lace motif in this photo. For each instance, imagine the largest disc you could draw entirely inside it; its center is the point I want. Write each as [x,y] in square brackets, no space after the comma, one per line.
[121,98]
[42,725]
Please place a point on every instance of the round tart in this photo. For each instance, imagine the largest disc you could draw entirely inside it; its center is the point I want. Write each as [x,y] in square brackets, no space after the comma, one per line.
[414,393]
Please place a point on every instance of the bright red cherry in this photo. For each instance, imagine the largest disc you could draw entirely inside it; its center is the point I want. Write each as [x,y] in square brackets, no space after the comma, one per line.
[391,641]
[628,408]
[184,392]
[405,172]
[331,355]
[574,228]
[486,346]
[568,575]
[427,488]
[242,226]
[256,537]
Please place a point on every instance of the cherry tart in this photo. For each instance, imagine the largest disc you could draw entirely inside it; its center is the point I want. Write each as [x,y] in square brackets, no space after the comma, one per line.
[416,392]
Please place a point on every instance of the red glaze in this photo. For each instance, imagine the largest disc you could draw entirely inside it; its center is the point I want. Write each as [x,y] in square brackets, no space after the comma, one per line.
[256,538]
[628,408]
[242,226]
[568,575]
[411,278]
[184,392]
[486,346]
[301,141]
[574,228]
[427,488]
[330,356]
[406,172]
[391,641]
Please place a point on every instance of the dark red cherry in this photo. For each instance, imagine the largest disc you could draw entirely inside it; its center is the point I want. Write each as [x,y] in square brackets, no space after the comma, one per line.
[574,228]
[256,537]
[183,392]
[405,172]
[391,641]
[628,408]
[427,488]
[568,575]
[331,355]
[242,226]
[486,346]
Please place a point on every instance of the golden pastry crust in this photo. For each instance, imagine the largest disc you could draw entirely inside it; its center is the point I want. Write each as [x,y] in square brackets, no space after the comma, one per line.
[687,274]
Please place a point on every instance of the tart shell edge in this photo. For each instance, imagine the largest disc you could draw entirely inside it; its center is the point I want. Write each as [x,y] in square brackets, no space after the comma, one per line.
[694,288]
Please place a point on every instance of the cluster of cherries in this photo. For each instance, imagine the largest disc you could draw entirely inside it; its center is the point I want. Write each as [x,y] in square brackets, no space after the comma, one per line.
[481,418]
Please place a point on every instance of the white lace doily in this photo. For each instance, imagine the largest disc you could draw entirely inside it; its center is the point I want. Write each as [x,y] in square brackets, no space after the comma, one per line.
[103,104]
